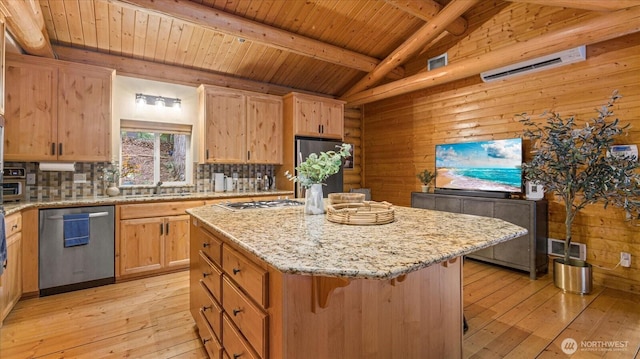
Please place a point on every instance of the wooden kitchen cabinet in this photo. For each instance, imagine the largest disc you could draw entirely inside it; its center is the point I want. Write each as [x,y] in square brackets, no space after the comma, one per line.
[11,279]
[228,297]
[57,110]
[314,116]
[153,238]
[239,126]
[264,129]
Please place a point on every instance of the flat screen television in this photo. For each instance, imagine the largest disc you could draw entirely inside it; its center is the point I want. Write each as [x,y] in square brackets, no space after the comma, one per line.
[492,168]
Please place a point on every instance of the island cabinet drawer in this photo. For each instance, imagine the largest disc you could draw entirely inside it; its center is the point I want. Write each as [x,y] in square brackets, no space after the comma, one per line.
[211,275]
[211,245]
[212,311]
[234,344]
[249,277]
[248,317]
[209,339]
[12,224]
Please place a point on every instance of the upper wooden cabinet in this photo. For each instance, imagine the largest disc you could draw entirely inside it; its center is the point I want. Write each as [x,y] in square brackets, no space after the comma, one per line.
[264,129]
[314,116]
[57,110]
[239,126]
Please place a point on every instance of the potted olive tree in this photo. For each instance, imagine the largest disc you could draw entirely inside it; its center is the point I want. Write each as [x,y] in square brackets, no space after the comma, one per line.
[573,162]
[426,177]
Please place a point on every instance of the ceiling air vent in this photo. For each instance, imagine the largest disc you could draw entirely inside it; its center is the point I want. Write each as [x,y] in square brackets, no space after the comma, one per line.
[541,63]
[437,62]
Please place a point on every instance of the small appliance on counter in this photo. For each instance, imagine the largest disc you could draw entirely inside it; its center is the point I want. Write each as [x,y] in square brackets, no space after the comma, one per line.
[13,186]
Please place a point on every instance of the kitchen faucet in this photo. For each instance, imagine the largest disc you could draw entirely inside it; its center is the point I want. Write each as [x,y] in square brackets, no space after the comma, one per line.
[157,189]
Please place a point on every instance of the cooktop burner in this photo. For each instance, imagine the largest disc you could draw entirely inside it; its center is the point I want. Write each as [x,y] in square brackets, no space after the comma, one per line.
[263,204]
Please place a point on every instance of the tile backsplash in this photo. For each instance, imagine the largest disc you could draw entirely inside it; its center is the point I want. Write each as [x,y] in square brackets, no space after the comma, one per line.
[55,185]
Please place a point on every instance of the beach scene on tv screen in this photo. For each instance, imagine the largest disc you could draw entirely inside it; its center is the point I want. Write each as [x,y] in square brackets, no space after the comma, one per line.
[485,166]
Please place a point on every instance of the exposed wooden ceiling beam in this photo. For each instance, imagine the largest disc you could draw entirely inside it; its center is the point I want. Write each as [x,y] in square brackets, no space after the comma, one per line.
[602,28]
[595,5]
[414,44]
[26,24]
[166,73]
[220,21]
[427,10]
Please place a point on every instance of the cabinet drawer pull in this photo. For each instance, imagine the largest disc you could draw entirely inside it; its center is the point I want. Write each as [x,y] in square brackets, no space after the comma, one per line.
[236,271]
[205,308]
[205,244]
[204,274]
[205,340]
[236,311]
[15,225]
[236,356]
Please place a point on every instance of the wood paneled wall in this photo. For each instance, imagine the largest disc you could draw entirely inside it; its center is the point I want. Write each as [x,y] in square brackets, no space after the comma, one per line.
[400,134]
[353,135]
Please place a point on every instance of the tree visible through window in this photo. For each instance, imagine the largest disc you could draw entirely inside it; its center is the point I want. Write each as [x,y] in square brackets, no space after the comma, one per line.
[149,157]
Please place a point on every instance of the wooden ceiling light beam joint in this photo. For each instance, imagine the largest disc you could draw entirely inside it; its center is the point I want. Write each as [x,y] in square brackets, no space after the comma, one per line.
[594,5]
[427,10]
[415,43]
[229,24]
[605,27]
[26,23]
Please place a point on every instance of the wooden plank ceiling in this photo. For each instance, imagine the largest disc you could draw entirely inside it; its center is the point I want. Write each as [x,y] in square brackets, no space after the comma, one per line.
[338,48]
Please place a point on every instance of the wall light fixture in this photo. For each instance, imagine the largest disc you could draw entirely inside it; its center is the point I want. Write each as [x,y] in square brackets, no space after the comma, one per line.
[158,101]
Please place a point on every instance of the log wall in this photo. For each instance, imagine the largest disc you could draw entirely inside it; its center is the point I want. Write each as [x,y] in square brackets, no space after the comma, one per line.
[400,134]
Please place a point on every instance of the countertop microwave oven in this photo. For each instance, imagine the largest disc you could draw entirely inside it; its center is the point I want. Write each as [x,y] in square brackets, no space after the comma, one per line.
[13,185]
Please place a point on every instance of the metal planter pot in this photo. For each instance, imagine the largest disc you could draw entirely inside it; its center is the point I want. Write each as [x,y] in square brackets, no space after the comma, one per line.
[574,277]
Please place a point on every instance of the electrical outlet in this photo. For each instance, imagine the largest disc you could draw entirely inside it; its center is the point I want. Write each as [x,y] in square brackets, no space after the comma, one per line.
[79,178]
[625,259]
[31,178]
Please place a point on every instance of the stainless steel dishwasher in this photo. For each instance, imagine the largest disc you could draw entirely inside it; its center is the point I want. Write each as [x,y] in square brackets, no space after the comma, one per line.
[67,268]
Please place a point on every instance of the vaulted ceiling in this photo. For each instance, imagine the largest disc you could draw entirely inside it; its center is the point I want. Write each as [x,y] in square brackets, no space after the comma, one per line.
[359,50]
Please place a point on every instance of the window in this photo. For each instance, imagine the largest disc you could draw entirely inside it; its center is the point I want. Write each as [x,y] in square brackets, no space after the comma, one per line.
[154,152]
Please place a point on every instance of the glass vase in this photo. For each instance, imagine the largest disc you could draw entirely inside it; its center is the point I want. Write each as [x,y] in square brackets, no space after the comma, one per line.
[313,202]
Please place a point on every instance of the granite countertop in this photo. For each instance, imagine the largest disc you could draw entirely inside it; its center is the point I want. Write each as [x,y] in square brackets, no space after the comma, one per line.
[296,243]
[13,207]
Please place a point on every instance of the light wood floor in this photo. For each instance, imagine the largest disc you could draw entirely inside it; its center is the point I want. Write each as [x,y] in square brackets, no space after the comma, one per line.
[509,316]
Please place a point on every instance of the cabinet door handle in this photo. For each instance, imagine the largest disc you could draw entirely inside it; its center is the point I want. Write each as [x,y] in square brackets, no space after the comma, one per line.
[322,128]
[236,311]
[248,155]
[236,271]
[205,340]
[205,244]
[60,149]
[206,154]
[167,229]
[205,308]
[161,229]
[53,149]
[319,128]
[205,274]
[236,356]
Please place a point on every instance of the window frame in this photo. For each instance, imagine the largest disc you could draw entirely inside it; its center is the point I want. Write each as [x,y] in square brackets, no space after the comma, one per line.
[157,129]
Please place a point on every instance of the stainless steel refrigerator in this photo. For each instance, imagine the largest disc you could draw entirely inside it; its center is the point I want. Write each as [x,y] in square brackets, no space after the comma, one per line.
[306,146]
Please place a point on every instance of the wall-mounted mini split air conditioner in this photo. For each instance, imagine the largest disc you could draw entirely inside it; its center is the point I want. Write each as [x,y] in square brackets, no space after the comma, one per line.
[538,64]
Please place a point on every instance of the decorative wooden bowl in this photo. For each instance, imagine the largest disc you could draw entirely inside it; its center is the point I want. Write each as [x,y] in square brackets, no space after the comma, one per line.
[365,213]
[344,197]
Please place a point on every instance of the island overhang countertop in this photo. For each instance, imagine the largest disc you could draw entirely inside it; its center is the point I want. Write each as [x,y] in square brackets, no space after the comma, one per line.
[295,243]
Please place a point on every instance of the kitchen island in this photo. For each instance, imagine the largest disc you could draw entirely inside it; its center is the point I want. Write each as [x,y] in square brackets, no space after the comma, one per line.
[275,283]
